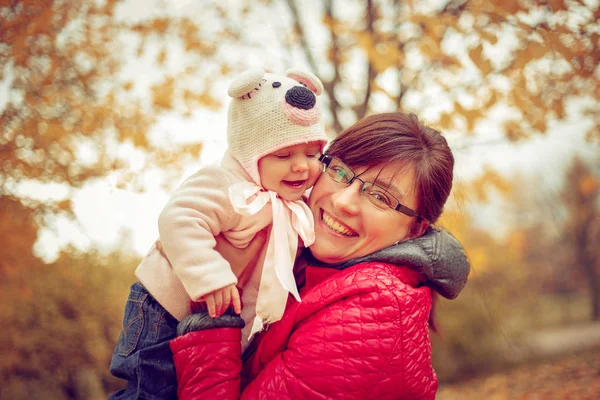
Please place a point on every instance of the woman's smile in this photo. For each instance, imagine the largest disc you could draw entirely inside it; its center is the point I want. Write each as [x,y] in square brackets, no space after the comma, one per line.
[336,225]
[348,226]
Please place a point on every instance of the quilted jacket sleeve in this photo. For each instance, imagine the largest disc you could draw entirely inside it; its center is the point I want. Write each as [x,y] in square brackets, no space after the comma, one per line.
[365,338]
[198,211]
[208,364]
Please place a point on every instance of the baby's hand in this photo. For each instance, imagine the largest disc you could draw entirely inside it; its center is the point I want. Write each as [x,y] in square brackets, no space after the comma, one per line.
[218,301]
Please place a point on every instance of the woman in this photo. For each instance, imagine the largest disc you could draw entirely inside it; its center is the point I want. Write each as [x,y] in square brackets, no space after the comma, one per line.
[361,330]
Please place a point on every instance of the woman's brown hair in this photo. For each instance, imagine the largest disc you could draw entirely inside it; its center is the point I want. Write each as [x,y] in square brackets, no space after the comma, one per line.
[383,138]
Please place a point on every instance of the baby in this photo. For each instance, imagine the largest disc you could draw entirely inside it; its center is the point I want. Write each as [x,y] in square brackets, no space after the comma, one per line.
[275,137]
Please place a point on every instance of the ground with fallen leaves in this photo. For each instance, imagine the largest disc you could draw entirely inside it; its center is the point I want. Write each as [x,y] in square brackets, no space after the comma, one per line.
[575,376]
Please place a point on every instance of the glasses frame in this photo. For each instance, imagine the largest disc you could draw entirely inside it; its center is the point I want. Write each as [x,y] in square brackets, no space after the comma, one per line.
[326,160]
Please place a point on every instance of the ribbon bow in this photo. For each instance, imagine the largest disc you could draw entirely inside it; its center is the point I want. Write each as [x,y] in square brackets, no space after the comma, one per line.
[290,220]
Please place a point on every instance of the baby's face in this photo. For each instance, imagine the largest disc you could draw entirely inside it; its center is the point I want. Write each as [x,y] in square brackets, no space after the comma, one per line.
[292,170]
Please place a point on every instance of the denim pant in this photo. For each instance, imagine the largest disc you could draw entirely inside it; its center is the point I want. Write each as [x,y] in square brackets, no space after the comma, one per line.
[143,356]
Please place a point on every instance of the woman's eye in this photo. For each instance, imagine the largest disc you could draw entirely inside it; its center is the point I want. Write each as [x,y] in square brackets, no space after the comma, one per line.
[338,174]
[381,198]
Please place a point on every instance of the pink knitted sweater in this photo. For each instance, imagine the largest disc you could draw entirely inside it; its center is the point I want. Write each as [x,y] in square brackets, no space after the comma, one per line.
[198,211]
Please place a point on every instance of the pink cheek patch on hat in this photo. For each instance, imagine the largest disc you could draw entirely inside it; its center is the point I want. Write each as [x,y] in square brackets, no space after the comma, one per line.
[299,116]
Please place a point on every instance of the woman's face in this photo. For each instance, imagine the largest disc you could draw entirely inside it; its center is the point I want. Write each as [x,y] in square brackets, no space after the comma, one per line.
[348,226]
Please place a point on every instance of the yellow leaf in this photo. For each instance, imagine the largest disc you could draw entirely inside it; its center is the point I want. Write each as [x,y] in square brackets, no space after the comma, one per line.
[54,130]
[520,99]
[492,100]
[162,94]
[160,25]
[520,60]
[556,43]
[162,57]
[506,7]
[513,131]
[446,121]
[536,50]
[487,36]
[540,124]
[559,109]
[65,205]
[557,5]
[588,185]
[430,48]
[384,57]
[476,55]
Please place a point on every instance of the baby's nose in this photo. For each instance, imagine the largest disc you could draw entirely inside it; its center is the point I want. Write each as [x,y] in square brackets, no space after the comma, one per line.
[300,97]
[300,164]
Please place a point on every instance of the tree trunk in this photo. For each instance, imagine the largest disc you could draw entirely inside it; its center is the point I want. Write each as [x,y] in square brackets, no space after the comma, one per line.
[587,260]
[594,284]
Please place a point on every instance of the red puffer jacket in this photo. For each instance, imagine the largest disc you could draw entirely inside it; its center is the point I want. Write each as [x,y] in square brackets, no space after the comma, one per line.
[360,333]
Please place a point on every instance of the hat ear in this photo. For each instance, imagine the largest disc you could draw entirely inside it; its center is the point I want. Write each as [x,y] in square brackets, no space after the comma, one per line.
[246,82]
[305,77]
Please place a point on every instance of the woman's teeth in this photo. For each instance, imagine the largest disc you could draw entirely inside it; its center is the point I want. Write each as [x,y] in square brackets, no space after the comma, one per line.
[335,226]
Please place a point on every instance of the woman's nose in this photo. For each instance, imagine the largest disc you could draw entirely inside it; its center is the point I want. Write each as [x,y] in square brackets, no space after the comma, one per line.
[347,198]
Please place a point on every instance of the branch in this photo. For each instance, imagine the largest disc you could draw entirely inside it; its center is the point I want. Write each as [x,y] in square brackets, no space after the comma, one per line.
[303,40]
[455,8]
[335,59]
[328,86]
[402,88]
[362,108]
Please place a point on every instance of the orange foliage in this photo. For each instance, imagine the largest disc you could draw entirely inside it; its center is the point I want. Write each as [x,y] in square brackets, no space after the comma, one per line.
[65,61]
[18,230]
[588,185]
[484,65]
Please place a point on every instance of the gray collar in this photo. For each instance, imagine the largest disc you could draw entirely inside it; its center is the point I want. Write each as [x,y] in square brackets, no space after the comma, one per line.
[436,254]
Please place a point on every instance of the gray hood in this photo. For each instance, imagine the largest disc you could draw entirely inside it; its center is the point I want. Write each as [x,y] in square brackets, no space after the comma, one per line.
[436,254]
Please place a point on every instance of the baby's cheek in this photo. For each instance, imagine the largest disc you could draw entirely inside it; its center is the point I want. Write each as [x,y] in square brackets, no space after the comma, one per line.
[314,170]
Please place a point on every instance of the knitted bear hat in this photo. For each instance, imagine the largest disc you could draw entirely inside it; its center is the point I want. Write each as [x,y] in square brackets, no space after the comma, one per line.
[269,112]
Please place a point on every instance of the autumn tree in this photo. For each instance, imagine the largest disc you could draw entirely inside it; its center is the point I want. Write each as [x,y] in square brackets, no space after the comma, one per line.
[456,62]
[77,105]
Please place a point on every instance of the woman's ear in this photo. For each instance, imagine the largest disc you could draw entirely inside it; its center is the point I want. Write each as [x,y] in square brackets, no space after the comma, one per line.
[419,228]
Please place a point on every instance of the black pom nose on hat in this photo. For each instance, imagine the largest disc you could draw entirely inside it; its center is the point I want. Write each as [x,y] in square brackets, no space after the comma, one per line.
[300,97]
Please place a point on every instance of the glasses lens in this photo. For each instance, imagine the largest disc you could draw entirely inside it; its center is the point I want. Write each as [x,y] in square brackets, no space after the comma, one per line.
[338,171]
[379,196]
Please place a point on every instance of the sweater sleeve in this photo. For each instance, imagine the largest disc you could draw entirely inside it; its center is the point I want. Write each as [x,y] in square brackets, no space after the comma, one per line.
[198,211]
[372,344]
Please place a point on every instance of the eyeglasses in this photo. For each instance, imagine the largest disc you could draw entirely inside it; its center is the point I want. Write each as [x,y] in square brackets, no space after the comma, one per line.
[377,195]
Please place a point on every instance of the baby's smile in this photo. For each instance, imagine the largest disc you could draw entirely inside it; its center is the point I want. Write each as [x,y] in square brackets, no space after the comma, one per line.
[294,184]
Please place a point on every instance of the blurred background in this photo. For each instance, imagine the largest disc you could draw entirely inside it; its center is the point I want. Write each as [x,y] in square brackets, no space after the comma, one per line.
[106,105]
